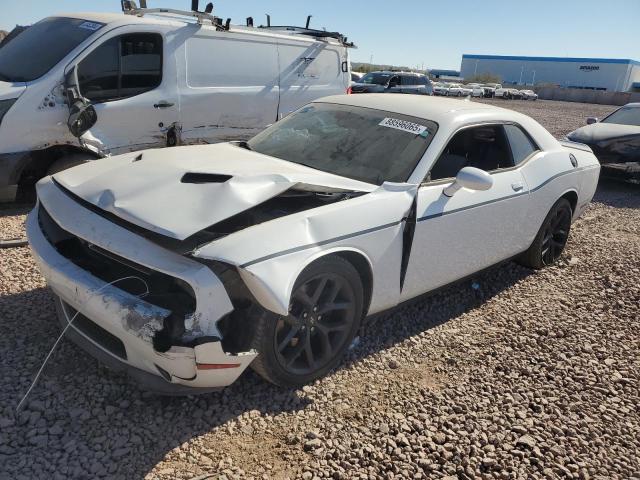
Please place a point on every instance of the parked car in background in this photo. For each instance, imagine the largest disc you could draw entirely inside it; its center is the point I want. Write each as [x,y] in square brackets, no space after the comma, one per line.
[615,140]
[440,89]
[172,264]
[490,89]
[478,91]
[393,82]
[458,90]
[516,94]
[504,93]
[102,84]
[529,95]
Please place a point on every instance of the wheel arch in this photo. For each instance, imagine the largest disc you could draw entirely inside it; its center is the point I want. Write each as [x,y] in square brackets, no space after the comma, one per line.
[40,161]
[275,294]
[572,197]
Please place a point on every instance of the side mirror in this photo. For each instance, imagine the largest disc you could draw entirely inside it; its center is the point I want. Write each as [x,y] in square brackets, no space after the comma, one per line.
[591,120]
[81,118]
[471,178]
[82,115]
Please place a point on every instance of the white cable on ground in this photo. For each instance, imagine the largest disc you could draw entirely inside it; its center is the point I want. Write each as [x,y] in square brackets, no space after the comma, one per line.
[69,322]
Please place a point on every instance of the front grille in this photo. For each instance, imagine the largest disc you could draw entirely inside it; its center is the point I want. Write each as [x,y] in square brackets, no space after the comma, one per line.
[163,290]
[95,332]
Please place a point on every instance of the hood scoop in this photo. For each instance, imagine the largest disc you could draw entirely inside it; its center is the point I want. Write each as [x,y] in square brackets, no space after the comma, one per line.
[198,178]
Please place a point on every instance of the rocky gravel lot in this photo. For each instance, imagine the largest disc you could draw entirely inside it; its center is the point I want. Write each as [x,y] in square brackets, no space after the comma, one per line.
[515,374]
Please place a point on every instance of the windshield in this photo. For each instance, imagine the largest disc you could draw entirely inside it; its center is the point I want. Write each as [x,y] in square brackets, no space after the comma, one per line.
[377,78]
[36,50]
[625,116]
[364,144]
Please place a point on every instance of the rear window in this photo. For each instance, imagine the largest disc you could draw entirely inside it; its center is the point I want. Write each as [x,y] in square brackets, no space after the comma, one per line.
[521,144]
[39,48]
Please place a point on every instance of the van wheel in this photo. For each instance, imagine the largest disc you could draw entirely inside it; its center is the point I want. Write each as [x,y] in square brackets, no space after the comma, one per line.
[324,316]
[551,238]
[68,161]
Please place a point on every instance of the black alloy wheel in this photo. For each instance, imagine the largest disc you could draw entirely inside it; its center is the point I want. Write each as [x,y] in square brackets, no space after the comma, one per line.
[325,311]
[555,236]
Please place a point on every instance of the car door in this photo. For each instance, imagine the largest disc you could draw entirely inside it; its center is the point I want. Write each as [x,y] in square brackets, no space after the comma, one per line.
[472,230]
[130,80]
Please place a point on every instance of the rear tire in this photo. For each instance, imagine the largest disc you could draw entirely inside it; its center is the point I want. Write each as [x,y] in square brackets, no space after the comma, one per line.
[551,238]
[325,314]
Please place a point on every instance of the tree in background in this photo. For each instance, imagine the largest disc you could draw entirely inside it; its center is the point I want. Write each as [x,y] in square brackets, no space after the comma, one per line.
[484,78]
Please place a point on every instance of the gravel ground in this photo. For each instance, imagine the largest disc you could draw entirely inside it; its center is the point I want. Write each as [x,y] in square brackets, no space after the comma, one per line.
[516,374]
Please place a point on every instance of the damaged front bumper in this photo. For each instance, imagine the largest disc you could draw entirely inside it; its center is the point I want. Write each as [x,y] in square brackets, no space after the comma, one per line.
[119,327]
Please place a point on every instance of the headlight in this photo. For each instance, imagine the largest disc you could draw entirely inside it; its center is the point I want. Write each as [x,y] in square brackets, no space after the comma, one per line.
[5,105]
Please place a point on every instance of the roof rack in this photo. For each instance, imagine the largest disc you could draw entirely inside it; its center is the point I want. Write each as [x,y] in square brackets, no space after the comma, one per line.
[312,33]
[130,7]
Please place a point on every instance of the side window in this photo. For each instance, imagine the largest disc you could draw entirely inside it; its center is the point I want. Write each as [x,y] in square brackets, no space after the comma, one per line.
[484,147]
[122,67]
[521,144]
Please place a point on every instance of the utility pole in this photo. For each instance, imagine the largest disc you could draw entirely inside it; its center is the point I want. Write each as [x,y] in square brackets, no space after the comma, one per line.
[533,80]
[475,70]
[521,73]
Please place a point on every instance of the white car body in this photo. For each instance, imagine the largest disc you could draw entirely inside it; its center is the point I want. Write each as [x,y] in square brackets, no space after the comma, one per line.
[478,91]
[502,93]
[215,85]
[139,210]
[440,89]
[529,95]
[458,90]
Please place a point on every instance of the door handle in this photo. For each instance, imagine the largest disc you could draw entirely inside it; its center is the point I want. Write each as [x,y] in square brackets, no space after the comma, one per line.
[517,186]
[163,104]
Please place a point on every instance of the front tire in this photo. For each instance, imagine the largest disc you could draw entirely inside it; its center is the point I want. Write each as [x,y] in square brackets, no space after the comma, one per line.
[325,314]
[551,238]
[68,161]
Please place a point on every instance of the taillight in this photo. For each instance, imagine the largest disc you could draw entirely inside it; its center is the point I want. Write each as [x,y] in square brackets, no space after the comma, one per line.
[349,91]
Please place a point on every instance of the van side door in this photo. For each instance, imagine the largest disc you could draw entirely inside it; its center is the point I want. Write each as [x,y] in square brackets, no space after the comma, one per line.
[228,84]
[130,80]
[309,70]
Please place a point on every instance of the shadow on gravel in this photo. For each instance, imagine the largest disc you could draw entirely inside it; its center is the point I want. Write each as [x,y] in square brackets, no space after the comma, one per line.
[615,193]
[87,422]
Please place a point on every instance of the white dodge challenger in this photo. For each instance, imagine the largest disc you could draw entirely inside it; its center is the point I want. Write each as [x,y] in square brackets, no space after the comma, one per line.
[183,266]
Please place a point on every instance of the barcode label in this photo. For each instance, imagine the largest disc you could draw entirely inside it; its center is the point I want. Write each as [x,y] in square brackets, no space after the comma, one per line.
[403,125]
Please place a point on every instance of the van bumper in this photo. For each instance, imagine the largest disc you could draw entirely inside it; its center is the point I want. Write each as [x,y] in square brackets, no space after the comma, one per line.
[11,166]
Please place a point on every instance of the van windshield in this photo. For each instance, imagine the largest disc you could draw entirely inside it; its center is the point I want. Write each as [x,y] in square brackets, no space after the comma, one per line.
[40,47]
[376,78]
[364,144]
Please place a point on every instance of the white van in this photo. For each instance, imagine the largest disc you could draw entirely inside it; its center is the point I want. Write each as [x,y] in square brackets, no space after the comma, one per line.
[80,86]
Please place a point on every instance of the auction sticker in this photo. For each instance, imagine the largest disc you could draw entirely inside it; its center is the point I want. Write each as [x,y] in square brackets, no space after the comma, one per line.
[91,26]
[403,125]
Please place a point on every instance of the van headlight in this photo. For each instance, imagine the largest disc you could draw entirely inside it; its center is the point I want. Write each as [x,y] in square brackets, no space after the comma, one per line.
[5,105]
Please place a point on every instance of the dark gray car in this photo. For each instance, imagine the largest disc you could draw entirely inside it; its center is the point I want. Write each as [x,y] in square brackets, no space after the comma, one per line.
[393,82]
[615,140]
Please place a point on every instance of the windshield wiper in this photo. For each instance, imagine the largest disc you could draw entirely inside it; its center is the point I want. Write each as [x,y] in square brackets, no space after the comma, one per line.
[244,145]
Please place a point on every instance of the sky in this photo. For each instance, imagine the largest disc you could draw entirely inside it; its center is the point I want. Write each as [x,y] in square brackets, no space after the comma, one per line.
[419,33]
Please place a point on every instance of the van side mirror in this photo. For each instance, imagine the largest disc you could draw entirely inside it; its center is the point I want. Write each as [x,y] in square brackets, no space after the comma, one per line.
[82,115]
[591,120]
[471,178]
[81,118]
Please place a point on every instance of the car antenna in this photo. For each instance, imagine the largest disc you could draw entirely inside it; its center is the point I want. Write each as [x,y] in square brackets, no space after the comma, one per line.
[308,21]
[268,20]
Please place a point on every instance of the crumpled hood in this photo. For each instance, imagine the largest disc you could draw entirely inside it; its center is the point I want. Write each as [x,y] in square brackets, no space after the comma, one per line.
[179,191]
[598,132]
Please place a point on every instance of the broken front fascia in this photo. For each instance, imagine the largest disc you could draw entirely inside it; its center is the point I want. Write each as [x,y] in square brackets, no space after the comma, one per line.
[131,319]
[270,260]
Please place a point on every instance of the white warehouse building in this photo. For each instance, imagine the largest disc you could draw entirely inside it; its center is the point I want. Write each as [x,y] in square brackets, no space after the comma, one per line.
[610,74]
